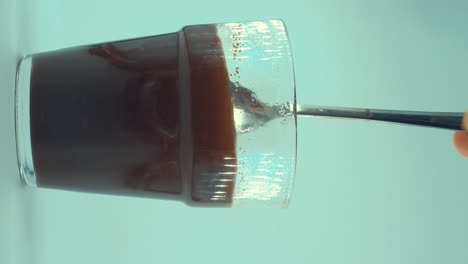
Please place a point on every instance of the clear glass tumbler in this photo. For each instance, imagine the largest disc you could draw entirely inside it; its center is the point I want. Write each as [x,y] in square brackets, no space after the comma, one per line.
[205,115]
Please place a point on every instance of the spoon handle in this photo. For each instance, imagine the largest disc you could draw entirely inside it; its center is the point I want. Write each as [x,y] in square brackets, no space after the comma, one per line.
[445,120]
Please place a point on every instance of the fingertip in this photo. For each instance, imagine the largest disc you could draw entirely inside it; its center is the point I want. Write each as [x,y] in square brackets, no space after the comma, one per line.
[460,140]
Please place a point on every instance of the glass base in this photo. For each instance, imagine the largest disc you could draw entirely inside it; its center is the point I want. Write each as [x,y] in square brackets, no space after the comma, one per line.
[23,129]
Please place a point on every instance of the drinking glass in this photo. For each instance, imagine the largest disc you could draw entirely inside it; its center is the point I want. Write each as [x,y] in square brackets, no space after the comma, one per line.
[204,115]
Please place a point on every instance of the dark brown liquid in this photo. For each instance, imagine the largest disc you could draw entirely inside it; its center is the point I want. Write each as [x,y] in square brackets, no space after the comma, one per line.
[143,117]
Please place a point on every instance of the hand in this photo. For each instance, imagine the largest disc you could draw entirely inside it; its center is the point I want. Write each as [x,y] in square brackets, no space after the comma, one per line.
[460,139]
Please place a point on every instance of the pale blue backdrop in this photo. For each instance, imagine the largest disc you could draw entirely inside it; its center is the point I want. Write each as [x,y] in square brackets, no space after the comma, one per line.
[365,192]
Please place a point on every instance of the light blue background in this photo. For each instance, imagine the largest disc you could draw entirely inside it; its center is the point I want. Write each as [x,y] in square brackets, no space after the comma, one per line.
[365,192]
